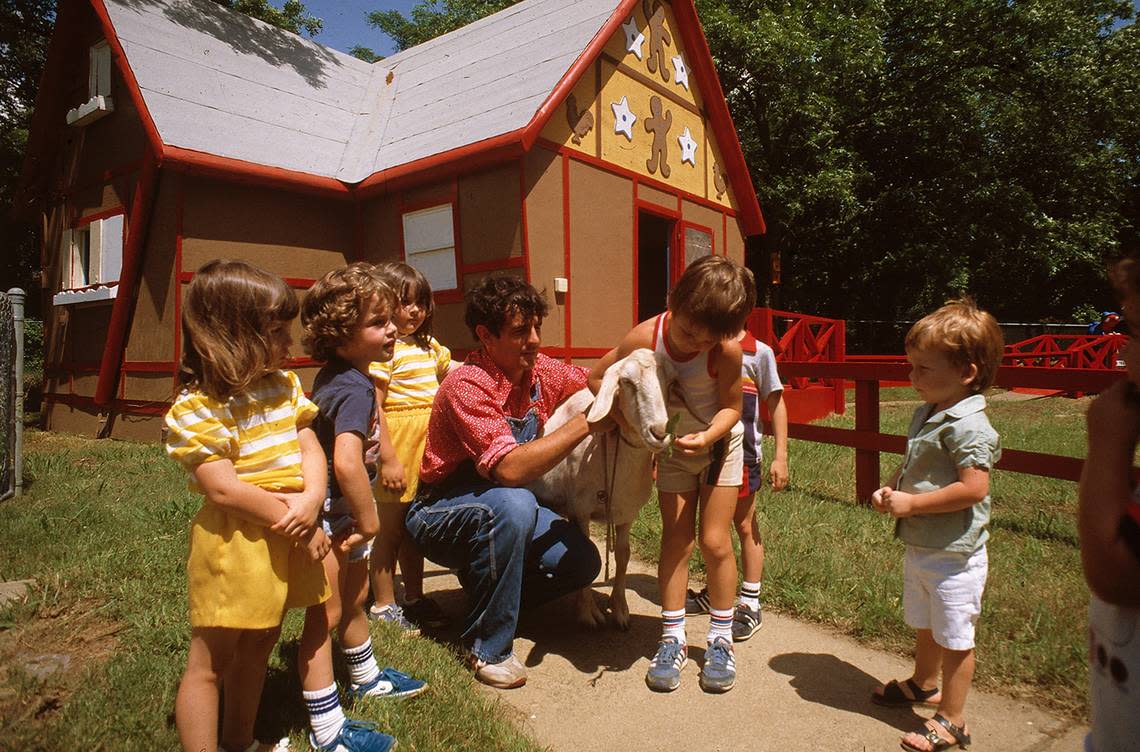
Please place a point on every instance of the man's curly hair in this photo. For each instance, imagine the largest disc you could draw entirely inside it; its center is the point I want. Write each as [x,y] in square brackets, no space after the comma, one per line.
[499,297]
[333,306]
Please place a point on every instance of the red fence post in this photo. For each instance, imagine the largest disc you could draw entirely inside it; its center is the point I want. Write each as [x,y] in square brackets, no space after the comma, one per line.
[866,419]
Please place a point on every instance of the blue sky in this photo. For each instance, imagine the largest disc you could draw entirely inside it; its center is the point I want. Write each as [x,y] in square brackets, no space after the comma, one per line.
[346,24]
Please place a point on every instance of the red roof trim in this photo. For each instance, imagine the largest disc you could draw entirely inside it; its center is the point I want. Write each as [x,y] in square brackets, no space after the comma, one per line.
[194,162]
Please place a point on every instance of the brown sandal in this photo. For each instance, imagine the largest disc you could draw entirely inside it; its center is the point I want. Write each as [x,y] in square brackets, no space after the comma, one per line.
[894,697]
[937,741]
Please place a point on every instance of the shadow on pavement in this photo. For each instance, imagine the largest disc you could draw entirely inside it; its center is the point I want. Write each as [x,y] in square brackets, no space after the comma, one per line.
[824,679]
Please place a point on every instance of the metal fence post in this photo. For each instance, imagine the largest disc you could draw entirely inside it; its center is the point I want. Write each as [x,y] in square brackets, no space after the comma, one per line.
[17,295]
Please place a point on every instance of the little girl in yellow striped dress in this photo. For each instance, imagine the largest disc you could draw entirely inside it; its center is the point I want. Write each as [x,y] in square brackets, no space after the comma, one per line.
[405,390]
[241,429]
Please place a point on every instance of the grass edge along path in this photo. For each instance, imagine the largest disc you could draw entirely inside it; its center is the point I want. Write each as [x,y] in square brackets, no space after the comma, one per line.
[92,658]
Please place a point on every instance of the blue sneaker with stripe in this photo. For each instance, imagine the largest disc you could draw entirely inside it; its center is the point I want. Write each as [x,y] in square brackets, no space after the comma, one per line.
[388,683]
[357,736]
[719,672]
[664,674]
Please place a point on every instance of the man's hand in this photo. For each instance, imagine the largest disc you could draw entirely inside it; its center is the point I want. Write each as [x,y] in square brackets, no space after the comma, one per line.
[778,474]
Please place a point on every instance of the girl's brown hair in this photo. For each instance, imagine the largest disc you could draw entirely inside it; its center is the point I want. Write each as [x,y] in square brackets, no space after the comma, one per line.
[227,311]
[965,334]
[411,286]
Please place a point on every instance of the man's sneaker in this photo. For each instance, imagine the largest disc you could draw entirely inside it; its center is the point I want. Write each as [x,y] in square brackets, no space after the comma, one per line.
[357,736]
[506,674]
[393,614]
[664,674]
[719,672]
[696,603]
[426,613]
[389,683]
[745,622]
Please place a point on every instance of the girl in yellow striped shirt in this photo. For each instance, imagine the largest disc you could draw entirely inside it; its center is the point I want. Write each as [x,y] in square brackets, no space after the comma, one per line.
[405,390]
[240,428]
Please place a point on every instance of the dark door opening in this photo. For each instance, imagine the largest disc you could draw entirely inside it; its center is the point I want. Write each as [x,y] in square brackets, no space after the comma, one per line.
[654,263]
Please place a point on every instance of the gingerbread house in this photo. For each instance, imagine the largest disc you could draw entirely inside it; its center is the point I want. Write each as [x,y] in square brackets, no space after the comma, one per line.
[585,145]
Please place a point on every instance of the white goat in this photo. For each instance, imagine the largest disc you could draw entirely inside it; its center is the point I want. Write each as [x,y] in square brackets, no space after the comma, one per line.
[617,467]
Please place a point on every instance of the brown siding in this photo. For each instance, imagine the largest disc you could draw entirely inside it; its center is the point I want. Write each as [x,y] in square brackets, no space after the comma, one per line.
[70,419]
[84,331]
[654,196]
[151,337]
[380,224]
[735,241]
[137,427]
[601,266]
[149,387]
[545,237]
[449,328]
[490,216]
[289,234]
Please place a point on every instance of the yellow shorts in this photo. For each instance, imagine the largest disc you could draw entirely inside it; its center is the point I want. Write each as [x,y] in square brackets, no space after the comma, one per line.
[408,432]
[721,465]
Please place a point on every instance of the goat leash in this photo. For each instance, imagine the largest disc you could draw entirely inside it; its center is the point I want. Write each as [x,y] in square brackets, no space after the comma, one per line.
[606,494]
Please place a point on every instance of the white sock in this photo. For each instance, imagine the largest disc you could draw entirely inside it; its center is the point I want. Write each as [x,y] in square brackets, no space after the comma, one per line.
[673,624]
[325,715]
[362,668]
[720,623]
[750,595]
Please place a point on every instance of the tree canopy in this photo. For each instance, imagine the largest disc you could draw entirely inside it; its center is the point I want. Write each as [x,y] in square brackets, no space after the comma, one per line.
[905,151]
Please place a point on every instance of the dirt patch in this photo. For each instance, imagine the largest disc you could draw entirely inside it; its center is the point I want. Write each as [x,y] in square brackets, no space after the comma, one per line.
[44,658]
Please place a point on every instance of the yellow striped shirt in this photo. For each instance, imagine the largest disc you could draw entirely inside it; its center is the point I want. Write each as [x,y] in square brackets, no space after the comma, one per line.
[255,430]
[413,375]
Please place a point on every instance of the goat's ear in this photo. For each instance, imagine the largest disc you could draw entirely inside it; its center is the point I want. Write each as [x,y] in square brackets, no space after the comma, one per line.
[607,393]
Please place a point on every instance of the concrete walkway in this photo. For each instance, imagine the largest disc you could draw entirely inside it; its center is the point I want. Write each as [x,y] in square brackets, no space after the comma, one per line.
[800,687]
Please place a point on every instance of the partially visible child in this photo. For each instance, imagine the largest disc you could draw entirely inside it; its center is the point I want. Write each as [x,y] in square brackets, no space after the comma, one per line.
[405,390]
[240,428]
[940,499]
[706,310]
[760,382]
[1108,522]
[347,324]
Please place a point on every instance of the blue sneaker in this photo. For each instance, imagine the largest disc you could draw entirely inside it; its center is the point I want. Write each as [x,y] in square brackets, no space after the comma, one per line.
[696,602]
[388,683]
[393,614]
[357,736]
[664,674]
[719,672]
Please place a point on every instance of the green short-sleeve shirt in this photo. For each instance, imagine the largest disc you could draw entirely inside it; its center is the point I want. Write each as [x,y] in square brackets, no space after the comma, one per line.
[937,446]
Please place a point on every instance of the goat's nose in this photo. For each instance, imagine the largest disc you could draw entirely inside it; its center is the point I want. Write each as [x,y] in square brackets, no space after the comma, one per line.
[658,431]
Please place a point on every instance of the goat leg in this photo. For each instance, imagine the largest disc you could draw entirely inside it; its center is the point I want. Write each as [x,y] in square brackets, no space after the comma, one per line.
[589,612]
[619,608]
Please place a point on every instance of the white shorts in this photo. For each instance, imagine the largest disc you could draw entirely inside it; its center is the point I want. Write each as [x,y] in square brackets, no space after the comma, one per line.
[721,465]
[942,592]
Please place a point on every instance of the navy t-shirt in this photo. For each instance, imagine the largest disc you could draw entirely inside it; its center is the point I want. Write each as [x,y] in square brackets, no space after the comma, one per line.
[347,401]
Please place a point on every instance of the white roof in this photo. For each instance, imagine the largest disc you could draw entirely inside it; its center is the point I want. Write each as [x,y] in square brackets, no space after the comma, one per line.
[222,83]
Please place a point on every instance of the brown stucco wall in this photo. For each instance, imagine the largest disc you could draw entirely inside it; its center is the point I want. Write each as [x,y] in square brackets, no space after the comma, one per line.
[545,237]
[601,256]
[151,337]
[490,215]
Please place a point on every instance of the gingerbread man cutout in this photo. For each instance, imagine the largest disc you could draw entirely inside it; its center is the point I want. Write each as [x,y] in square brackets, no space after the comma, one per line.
[659,126]
[658,37]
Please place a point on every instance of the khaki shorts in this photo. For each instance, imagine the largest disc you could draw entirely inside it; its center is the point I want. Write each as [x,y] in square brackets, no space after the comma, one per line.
[721,465]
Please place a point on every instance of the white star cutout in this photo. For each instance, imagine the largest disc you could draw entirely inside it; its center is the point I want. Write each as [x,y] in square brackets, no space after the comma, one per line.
[680,70]
[624,118]
[688,147]
[634,38]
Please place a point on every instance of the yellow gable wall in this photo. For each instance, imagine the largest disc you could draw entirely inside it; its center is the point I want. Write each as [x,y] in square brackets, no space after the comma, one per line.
[621,73]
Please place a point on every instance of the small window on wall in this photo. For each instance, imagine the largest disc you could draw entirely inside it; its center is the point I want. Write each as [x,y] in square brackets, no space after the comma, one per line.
[92,257]
[697,243]
[429,245]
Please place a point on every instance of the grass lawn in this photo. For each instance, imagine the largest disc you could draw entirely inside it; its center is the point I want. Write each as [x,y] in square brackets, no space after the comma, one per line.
[833,560]
[92,659]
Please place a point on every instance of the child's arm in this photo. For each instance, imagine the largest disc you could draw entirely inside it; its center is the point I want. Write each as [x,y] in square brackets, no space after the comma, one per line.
[352,478]
[220,484]
[392,476]
[778,472]
[878,496]
[304,507]
[729,390]
[637,337]
[971,487]
[1111,569]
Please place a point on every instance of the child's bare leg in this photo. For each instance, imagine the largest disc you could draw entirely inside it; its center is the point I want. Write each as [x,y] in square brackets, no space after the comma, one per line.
[314,653]
[196,706]
[927,659]
[678,533]
[412,569]
[718,503]
[751,544]
[353,624]
[244,680]
[957,675]
[384,548]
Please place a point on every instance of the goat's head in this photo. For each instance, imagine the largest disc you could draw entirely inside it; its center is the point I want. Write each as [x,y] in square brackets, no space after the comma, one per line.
[638,382]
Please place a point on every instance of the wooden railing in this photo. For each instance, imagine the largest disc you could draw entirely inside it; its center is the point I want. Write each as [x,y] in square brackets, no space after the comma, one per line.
[868,442]
[1067,351]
